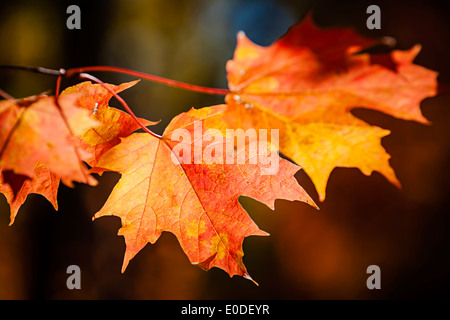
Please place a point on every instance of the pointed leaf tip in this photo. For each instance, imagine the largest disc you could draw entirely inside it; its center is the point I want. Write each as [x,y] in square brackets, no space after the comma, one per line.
[247,276]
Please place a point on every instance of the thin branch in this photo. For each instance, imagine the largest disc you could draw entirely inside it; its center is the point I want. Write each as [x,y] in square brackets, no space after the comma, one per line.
[150,77]
[75,71]
[40,70]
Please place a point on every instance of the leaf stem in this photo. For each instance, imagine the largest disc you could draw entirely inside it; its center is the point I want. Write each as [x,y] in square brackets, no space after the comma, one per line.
[66,122]
[87,76]
[7,96]
[58,86]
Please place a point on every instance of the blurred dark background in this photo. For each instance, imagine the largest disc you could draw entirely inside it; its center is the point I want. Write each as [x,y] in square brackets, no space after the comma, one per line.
[310,254]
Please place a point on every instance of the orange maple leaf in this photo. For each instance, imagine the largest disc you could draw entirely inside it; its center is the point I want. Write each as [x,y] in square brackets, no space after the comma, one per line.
[307,82]
[40,131]
[198,202]
[91,134]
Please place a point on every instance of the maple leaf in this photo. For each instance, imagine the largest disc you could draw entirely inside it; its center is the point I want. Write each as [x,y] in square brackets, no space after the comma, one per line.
[16,187]
[90,139]
[198,202]
[307,82]
[40,131]
[114,123]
